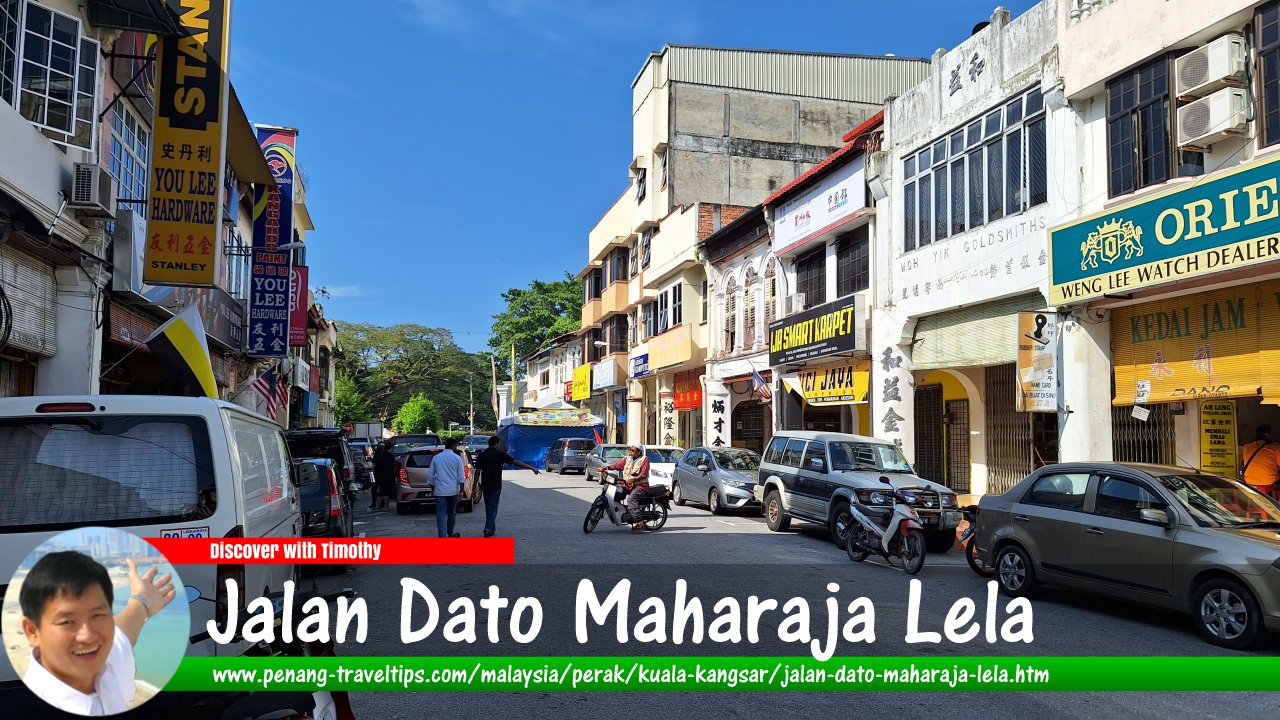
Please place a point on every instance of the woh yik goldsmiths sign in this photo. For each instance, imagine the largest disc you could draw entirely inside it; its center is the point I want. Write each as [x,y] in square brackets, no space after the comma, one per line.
[824,330]
[1223,223]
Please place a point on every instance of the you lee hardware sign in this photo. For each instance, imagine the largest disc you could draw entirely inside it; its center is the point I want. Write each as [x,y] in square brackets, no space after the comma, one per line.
[1223,223]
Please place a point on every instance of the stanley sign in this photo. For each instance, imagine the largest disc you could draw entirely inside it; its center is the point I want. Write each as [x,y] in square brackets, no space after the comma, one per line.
[824,330]
[188,147]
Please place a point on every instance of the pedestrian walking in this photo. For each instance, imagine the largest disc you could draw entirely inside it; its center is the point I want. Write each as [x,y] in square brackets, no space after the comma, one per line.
[384,473]
[447,476]
[489,464]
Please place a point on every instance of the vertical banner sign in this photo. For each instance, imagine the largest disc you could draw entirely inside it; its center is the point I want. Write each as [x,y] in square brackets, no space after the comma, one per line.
[1037,362]
[1218,437]
[188,147]
[298,306]
[272,227]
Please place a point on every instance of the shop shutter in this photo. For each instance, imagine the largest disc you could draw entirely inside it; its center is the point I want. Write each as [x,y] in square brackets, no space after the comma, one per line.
[32,291]
[976,336]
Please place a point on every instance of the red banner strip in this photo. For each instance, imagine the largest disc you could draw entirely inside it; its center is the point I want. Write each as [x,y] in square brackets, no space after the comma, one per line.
[326,551]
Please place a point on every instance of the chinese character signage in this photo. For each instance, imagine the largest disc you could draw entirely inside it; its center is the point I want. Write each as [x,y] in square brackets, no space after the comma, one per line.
[298,306]
[272,227]
[1037,362]
[1218,437]
[832,328]
[188,147]
[688,390]
[1217,224]
[829,204]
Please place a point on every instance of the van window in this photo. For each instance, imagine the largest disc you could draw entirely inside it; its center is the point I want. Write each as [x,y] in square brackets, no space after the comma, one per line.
[774,453]
[262,460]
[112,470]
[795,450]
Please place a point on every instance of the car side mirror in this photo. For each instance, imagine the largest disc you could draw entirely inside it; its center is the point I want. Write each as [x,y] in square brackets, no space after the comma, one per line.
[1154,516]
[817,465]
[703,467]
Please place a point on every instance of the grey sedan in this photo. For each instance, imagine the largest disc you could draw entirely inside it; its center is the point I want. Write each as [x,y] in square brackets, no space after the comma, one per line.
[722,478]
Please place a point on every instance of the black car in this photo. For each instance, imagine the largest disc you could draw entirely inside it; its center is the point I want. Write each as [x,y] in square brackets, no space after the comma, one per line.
[328,443]
[327,511]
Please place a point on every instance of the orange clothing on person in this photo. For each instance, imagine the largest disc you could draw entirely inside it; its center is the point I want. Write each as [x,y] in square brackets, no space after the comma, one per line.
[1263,471]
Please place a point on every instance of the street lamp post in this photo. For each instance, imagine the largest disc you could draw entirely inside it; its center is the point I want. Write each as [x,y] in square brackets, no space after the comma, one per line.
[471,391]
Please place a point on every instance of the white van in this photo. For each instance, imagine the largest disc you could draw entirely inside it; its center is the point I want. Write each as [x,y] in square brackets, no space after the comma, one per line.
[156,466]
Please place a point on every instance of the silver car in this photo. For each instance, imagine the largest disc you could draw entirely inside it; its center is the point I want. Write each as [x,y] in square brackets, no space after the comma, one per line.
[722,478]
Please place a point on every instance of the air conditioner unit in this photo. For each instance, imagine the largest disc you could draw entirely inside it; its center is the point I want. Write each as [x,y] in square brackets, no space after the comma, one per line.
[1211,67]
[93,191]
[1210,119]
[301,375]
[795,303]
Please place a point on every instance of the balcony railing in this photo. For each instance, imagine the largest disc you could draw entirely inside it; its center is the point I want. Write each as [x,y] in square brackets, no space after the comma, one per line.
[1081,10]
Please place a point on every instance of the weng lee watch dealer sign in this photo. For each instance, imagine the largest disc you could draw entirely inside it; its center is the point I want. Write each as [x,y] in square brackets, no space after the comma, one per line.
[824,330]
[1219,223]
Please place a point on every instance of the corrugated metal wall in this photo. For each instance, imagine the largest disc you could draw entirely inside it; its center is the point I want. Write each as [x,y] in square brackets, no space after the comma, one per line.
[865,79]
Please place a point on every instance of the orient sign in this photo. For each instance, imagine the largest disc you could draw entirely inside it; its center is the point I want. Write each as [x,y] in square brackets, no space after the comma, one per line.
[1225,222]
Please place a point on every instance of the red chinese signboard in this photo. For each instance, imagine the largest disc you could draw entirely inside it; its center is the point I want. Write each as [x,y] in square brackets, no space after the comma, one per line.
[568,391]
[298,306]
[688,390]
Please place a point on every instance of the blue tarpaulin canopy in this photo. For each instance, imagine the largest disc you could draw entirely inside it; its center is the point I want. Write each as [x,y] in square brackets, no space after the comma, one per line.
[529,443]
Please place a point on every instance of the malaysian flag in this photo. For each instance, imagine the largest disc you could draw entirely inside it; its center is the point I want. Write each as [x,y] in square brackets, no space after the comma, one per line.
[760,387]
[273,389]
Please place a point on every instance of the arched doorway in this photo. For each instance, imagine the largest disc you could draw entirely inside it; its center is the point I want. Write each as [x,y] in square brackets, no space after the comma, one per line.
[748,419]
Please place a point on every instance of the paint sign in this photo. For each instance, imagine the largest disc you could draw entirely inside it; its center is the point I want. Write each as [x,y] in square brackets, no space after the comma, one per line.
[1218,437]
[1037,362]
[270,280]
[188,147]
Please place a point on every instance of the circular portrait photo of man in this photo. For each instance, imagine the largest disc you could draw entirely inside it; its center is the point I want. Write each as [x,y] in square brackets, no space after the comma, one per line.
[91,623]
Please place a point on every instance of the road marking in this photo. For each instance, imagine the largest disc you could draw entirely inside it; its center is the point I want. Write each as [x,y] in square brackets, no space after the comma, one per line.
[726,522]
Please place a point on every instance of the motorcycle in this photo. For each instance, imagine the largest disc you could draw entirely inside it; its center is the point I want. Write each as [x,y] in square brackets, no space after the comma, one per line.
[320,705]
[900,537]
[968,539]
[653,512]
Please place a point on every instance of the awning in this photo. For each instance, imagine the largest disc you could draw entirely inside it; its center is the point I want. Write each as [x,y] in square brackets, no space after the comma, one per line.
[243,151]
[152,16]
[842,384]
[976,336]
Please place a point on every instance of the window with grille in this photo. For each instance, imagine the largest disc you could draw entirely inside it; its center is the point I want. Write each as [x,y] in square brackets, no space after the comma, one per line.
[130,142]
[771,292]
[1140,130]
[730,316]
[811,277]
[992,167]
[1268,24]
[853,264]
[749,316]
[56,88]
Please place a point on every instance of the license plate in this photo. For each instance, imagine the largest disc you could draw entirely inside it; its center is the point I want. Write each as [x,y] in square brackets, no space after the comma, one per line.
[929,520]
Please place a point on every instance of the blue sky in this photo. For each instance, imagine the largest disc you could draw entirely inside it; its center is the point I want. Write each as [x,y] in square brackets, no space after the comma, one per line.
[457,148]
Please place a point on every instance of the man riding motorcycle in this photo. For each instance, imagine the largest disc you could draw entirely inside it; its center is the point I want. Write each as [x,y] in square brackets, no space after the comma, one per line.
[635,480]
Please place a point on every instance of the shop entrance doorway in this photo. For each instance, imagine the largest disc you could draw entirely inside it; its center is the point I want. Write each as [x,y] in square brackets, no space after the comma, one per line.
[748,425]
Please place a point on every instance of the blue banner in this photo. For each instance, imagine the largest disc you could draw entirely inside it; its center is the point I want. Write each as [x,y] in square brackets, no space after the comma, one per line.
[640,365]
[268,334]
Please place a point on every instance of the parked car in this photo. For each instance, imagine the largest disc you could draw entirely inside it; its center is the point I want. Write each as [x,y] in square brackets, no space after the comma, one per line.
[330,443]
[817,476]
[721,478]
[414,490]
[475,443]
[155,466]
[569,454]
[1171,537]
[401,444]
[327,511]
[662,461]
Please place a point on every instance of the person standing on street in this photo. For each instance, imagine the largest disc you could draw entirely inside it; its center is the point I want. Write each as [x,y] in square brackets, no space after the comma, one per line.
[489,464]
[447,476]
[384,473]
[1261,459]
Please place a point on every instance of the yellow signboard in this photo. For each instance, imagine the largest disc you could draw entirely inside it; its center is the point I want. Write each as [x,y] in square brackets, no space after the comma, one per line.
[1218,437]
[844,384]
[188,147]
[1217,344]
[1037,362]
[581,382]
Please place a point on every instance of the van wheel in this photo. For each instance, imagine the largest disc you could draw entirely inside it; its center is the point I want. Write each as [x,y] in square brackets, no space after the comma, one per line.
[402,508]
[841,516]
[1227,615]
[774,516]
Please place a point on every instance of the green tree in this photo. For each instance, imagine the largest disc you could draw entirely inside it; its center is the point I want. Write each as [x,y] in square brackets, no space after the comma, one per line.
[349,405]
[418,415]
[534,315]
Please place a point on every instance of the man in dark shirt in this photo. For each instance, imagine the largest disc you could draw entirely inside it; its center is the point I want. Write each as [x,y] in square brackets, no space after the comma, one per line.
[385,472]
[490,463]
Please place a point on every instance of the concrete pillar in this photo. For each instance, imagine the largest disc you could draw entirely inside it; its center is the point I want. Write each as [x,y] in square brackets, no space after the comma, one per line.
[75,368]
[668,423]
[717,414]
[892,390]
[975,381]
[635,412]
[1085,434]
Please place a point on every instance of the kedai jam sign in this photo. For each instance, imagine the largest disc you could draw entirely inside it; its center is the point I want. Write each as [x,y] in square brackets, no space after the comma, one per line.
[270,280]
[188,147]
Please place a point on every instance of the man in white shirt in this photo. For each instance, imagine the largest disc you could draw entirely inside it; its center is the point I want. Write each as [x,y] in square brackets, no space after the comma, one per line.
[447,476]
[81,656]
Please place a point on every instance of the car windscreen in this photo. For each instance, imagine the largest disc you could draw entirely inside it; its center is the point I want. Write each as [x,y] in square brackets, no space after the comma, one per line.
[313,480]
[328,448]
[737,459]
[867,456]
[404,447]
[477,440]
[613,453]
[657,455]
[112,470]
[1216,500]
[580,445]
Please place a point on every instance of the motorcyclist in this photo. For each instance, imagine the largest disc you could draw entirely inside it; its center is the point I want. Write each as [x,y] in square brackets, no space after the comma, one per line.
[635,480]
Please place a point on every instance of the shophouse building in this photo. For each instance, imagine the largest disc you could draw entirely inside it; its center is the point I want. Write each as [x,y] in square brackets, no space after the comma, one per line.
[715,132]
[1168,282]
[978,163]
